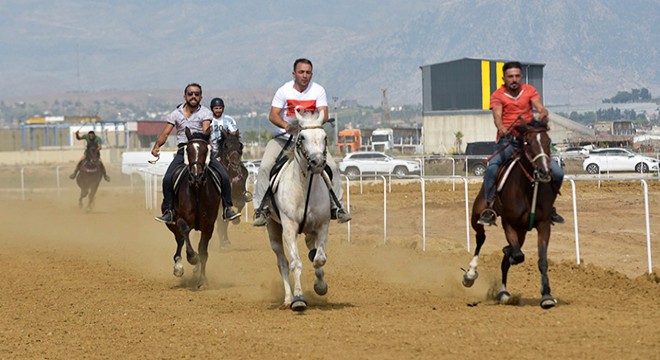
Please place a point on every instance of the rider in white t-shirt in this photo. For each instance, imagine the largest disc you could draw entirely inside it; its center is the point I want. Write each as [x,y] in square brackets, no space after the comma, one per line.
[299,93]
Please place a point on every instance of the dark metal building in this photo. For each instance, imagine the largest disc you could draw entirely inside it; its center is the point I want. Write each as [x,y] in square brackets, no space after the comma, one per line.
[466,84]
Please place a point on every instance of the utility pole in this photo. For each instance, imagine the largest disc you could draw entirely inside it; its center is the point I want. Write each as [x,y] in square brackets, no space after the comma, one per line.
[386,109]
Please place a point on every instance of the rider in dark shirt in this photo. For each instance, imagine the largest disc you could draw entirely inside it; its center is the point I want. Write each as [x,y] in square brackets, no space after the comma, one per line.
[92,141]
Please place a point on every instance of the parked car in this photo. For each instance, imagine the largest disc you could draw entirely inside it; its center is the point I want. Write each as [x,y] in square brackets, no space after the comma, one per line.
[476,153]
[373,162]
[618,159]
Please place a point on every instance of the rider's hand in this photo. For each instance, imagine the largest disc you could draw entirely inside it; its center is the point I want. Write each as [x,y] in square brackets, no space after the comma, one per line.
[155,151]
[503,130]
[293,128]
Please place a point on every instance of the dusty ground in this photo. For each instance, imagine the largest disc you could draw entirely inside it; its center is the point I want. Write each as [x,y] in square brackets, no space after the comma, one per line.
[100,284]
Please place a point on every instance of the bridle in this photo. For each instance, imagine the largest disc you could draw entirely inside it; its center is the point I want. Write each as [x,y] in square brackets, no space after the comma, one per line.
[537,177]
[195,177]
[300,149]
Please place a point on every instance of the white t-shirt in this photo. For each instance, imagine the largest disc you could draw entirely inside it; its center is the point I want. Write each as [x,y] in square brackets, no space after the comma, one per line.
[225,122]
[287,98]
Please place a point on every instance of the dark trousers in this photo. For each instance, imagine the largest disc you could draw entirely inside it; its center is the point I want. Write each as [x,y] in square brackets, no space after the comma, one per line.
[168,181]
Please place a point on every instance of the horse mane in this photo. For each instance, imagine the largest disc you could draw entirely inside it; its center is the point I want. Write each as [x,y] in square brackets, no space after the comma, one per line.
[200,135]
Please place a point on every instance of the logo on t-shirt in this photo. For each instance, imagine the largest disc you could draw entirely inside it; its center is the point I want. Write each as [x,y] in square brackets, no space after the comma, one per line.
[302,105]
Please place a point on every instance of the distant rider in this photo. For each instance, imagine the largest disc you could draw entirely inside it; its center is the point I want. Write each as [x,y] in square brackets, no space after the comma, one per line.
[93,141]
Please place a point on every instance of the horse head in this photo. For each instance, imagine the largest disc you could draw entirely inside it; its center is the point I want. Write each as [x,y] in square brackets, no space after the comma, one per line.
[198,155]
[92,156]
[231,151]
[536,148]
[310,140]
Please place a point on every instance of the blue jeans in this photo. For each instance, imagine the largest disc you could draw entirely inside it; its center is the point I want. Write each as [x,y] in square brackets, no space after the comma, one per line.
[501,158]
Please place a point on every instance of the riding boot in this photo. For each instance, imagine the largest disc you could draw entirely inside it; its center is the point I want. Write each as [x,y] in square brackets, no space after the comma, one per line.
[556,218]
[261,216]
[488,217]
[340,215]
[75,172]
[167,217]
[228,214]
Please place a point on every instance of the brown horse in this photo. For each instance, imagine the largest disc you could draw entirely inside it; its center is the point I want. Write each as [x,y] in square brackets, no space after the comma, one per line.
[89,177]
[230,154]
[524,201]
[196,207]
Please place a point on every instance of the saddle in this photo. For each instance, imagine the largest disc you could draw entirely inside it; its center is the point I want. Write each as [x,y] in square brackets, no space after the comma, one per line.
[182,170]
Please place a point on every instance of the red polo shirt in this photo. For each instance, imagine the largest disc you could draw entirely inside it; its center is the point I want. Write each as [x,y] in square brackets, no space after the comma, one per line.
[512,107]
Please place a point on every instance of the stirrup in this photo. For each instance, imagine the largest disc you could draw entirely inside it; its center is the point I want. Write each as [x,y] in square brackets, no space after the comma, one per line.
[229,214]
[340,215]
[488,217]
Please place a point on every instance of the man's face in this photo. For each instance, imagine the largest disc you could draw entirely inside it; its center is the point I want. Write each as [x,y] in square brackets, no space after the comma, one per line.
[512,79]
[91,136]
[302,75]
[217,111]
[193,96]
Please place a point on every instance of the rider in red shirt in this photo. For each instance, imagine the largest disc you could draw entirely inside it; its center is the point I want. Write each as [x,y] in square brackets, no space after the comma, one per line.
[511,101]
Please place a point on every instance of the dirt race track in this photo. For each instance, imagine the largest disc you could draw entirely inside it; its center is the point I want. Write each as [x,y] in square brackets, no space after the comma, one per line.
[100,284]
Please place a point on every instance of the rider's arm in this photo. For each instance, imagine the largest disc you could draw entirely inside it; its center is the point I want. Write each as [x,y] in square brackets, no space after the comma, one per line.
[543,112]
[497,119]
[98,145]
[206,124]
[161,139]
[276,118]
[78,135]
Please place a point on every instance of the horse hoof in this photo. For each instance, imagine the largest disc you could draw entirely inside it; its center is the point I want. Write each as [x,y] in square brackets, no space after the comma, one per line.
[469,281]
[503,297]
[548,302]
[517,258]
[236,221]
[178,271]
[311,255]
[298,304]
[320,288]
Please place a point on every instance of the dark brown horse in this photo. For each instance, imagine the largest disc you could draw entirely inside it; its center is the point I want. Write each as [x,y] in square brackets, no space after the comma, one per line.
[524,201]
[196,206]
[89,177]
[230,155]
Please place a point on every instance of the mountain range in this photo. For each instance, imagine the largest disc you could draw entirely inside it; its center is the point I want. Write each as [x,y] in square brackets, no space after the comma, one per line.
[591,48]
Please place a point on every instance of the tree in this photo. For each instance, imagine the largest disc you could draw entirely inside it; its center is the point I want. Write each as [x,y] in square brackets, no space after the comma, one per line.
[458,142]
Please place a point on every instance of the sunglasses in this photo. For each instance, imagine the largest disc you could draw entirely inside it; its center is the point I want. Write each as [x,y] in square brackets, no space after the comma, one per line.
[194,93]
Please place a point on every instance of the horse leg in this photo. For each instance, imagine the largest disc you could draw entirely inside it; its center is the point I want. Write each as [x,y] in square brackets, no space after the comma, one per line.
[191,255]
[83,193]
[504,296]
[178,264]
[275,236]
[203,256]
[289,228]
[471,274]
[547,300]
[223,232]
[317,255]
[92,195]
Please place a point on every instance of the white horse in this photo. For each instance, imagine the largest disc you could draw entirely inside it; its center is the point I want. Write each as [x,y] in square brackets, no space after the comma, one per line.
[303,199]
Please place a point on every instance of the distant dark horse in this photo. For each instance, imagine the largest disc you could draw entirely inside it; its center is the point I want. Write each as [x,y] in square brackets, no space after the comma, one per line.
[196,205]
[230,154]
[521,209]
[89,177]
